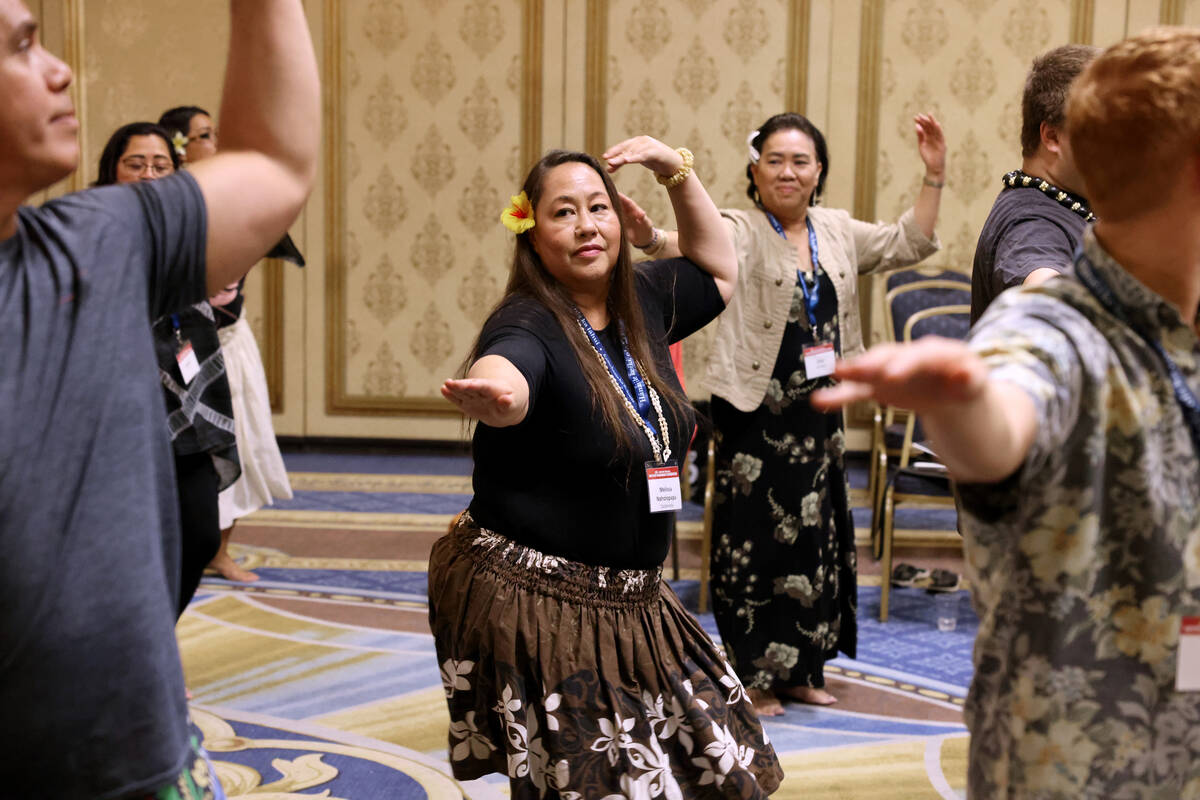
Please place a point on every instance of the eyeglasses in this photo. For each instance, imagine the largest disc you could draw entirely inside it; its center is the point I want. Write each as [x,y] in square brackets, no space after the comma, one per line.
[158,167]
[205,136]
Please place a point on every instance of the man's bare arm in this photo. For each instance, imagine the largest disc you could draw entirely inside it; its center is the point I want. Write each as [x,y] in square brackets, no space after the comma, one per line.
[1039,275]
[980,427]
[270,132]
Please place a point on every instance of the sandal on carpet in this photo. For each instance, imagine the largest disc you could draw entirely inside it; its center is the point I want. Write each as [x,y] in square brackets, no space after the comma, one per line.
[943,580]
[908,575]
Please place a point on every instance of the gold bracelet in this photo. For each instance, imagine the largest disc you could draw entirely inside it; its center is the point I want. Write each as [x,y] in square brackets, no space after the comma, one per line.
[679,175]
[934,184]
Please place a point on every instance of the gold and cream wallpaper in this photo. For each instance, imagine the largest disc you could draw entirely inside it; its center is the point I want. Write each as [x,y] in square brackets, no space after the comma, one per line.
[435,108]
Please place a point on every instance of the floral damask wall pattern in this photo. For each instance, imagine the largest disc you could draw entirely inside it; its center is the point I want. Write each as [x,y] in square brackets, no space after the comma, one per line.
[700,74]
[431,112]
[429,132]
[937,58]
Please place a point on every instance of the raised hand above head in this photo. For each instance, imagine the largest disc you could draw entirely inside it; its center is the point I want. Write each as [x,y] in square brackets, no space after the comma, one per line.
[647,151]
[931,144]
[702,236]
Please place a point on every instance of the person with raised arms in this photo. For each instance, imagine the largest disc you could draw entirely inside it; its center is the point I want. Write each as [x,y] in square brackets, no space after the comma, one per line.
[90,678]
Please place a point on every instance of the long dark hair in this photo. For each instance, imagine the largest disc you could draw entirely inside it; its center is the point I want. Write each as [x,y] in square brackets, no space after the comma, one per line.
[119,141]
[529,278]
[179,118]
[790,120]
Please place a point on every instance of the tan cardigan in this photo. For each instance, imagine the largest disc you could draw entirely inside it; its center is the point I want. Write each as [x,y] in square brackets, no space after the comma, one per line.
[750,329]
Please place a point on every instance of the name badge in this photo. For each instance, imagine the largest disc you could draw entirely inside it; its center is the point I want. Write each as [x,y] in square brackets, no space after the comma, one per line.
[819,360]
[189,367]
[1187,666]
[663,480]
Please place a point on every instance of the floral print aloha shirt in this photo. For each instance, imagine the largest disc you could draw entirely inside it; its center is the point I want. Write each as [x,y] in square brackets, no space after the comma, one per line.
[1084,561]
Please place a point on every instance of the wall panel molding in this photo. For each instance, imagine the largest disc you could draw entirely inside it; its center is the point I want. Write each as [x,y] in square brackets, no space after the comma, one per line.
[272,345]
[866,151]
[1170,12]
[531,85]
[1083,18]
[339,399]
[73,54]
[799,19]
[596,81]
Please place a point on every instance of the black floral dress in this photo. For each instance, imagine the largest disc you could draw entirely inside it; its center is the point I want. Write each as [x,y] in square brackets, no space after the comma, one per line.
[783,558]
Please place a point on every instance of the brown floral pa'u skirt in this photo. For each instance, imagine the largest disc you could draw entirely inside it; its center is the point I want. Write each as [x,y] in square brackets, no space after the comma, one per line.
[585,682]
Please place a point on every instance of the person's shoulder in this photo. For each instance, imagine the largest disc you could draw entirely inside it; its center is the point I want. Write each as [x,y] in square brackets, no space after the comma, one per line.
[102,201]
[1029,203]
[1061,303]
[80,221]
[521,311]
[738,216]
[745,222]
[827,214]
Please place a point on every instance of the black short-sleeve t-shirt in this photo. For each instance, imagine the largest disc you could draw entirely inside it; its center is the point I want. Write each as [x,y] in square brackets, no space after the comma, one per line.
[90,681]
[555,482]
[1025,230]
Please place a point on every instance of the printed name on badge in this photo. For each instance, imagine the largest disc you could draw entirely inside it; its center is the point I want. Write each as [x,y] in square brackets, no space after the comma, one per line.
[665,493]
[819,360]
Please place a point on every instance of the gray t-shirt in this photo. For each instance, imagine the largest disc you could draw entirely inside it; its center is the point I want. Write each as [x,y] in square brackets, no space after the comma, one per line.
[91,691]
[1025,230]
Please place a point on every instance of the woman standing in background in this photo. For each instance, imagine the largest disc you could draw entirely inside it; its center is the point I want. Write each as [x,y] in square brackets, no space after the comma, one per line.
[264,476]
[191,369]
[784,564]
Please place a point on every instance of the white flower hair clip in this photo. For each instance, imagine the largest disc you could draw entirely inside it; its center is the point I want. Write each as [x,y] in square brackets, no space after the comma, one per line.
[754,154]
[180,143]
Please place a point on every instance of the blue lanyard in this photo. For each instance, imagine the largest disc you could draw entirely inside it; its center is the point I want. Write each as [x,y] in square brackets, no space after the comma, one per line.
[811,298]
[640,397]
[1095,283]
[175,325]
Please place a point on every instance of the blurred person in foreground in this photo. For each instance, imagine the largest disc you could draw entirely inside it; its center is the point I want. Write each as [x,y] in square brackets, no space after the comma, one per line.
[1071,423]
[90,681]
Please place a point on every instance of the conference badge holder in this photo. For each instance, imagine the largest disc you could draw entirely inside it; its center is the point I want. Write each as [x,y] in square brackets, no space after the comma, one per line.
[189,366]
[819,359]
[1187,668]
[662,478]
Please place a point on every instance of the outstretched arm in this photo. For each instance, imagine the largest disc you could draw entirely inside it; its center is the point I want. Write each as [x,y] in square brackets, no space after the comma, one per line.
[981,428]
[931,144]
[494,392]
[270,131]
[703,236]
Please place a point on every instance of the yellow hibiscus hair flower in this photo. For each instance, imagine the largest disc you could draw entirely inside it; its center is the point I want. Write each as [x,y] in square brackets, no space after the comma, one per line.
[518,217]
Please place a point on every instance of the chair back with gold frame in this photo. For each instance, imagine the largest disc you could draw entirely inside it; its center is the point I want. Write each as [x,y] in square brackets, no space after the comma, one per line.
[926,482]
[909,291]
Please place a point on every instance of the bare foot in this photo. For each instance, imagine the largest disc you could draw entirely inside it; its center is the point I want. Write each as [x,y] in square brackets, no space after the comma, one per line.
[765,702]
[230,571]
[806,694]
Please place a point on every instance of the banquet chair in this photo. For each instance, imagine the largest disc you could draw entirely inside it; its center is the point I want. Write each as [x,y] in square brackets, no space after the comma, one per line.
[918,477]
